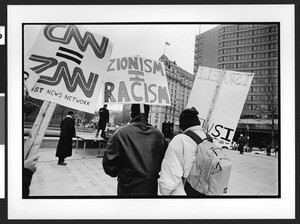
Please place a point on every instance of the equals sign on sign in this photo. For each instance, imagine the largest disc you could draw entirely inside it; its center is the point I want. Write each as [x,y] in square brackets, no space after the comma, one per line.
[69,54]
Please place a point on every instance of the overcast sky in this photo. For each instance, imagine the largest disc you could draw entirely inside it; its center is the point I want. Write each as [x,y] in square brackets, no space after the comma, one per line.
[147,41]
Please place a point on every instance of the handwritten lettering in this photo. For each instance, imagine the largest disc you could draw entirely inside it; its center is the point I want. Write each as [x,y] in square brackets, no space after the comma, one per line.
[230,78]
[136,91]
[135,64]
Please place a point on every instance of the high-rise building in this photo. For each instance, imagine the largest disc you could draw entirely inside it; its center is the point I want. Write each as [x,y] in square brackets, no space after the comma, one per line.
[247,48]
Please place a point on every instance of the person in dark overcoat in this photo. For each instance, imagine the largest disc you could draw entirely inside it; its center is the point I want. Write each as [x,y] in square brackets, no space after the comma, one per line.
[103,120]
[67,132]
[242,143]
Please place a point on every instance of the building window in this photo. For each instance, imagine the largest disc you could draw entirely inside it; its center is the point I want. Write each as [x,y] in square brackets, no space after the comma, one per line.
[221,30]
[273,29]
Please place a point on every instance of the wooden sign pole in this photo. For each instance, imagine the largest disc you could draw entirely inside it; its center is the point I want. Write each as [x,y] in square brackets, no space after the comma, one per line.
[142,108]
[213,102]
[38,129]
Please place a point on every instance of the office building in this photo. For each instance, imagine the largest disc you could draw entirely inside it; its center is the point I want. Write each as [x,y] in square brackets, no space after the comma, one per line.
[247,48]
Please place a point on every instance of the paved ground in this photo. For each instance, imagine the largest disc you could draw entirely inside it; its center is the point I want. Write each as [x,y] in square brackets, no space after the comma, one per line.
[253,175]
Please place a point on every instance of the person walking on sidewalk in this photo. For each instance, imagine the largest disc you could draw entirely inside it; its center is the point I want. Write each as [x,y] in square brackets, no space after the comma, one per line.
[103,120]
[134,154]
[180,156]
[67,132]
[242,143]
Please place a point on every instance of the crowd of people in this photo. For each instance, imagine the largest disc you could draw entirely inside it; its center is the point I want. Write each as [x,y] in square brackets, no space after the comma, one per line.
[138,154]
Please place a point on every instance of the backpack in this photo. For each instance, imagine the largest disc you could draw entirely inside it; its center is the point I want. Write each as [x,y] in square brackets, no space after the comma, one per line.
[211,170]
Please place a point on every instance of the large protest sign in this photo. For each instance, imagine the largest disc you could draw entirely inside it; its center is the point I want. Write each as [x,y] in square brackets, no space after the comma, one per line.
[65,65]
[70,62]
[135,79]
[219,97]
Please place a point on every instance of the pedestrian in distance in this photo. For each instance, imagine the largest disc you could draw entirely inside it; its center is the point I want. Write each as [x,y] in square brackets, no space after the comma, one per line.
[28,171]
[234,145]
[276,150]
[180,156]
[103,120]
[242,143]
[268,150]
[67,132]
[134,154]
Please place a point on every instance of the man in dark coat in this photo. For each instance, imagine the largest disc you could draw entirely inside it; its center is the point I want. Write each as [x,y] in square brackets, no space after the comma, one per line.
[67,132]
[103,120]
[134,154]
[242,143]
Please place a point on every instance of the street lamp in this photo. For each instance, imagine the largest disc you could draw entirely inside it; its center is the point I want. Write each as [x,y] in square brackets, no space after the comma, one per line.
[247,136]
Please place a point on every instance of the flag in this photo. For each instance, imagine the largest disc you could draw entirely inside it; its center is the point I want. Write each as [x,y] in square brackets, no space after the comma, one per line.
[167,44]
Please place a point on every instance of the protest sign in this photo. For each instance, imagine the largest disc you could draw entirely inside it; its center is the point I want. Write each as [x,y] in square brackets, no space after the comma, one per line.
[30,80]
[135,79]
[219,97]
[70,62]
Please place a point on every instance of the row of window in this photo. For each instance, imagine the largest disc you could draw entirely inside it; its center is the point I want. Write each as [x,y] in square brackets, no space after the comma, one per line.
[249,34]
[257,72]
[248,56]
[249,48]
[264,98]
[247,41]
[261,30]
[266,72]
[237,27]
[250,64]
[261,89]
[257,107]
[265,80]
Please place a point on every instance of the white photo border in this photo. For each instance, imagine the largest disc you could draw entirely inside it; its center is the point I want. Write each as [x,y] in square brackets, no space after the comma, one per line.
[278,208]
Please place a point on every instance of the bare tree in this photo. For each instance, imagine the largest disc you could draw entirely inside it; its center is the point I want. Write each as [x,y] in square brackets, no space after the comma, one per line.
[123,118]
[30,105]
[60,111]
[270,105]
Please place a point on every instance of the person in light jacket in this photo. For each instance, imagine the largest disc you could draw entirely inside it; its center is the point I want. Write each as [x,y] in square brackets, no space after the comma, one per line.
[134,154]
[180,156]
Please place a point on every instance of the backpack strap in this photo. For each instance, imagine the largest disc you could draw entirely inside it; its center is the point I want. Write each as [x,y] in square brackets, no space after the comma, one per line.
[197,138]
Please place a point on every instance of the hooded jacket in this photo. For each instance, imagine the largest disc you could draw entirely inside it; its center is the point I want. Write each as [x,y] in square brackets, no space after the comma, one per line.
[134,154]
[178,162]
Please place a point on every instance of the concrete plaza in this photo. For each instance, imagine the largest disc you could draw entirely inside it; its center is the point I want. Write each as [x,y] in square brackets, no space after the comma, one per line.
[252,175]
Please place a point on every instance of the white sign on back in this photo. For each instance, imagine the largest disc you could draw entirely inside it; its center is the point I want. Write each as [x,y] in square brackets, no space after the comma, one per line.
[70,62]
[222,106]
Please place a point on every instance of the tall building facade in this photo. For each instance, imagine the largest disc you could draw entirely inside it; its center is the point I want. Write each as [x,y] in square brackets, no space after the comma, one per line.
[247,48]
[180,84]
[206,49]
